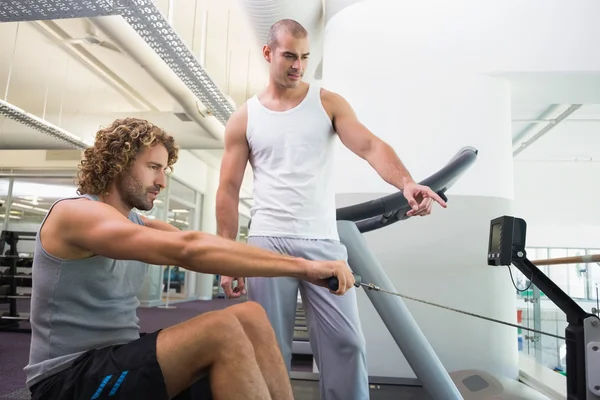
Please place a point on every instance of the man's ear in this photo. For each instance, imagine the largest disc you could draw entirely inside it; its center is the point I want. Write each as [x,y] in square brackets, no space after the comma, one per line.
[267,53]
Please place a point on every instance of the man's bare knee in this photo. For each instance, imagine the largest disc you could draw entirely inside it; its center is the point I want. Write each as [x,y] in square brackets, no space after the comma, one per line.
[210,335]
[226,331]
[249,312]
[253,318]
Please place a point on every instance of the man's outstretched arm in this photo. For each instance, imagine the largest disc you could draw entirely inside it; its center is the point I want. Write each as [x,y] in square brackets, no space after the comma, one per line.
[379,154]
[100,229]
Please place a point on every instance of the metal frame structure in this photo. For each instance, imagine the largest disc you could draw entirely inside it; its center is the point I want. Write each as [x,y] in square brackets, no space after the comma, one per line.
[506,247]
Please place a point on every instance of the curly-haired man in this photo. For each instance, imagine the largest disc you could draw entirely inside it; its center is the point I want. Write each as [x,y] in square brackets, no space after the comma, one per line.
[91,256]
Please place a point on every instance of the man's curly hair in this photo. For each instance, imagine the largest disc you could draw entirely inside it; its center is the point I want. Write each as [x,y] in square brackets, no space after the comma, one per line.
[115,150]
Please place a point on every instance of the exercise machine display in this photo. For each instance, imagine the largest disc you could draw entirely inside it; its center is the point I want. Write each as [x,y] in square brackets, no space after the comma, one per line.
[582,334]
[435,379]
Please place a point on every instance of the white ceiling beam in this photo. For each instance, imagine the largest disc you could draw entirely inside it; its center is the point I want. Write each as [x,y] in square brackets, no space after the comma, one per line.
[55,33]
[121,33]
[550,125]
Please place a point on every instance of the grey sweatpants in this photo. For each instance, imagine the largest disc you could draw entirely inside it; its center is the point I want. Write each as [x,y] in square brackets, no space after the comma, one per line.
[334,329]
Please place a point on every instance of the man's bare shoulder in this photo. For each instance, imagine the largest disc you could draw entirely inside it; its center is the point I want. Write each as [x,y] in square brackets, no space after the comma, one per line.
[330,96]
[240,115]
[81,211]
[236,127]
[332,101]
[67,218]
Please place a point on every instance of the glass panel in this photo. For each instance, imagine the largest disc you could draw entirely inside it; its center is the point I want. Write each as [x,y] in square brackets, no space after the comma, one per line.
[180,216]
[32,198]
[243,229]
[525,319]
[577,274]
[594,274]
[181,191]
[152,289]
[174,277]
[558,273]
[4,183]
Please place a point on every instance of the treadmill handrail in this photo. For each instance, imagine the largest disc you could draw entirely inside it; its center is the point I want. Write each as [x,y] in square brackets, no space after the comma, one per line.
[368,212]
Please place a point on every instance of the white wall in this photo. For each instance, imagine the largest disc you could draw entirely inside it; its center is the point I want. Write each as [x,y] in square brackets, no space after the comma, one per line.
[192,171]
[39,159]
[559,202]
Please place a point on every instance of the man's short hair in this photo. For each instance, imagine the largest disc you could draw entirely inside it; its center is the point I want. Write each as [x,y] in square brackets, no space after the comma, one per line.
[287,25]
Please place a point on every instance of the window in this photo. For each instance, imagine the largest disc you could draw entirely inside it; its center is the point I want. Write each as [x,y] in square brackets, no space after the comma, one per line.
[594,277]
[558,273]
[181,215]
[33,197]
[182,191]
[243,229]
[4,185]
[576,275]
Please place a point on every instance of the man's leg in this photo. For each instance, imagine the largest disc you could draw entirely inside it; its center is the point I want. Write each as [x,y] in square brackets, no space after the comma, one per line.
[236,346]
[334,329]
[268,355]
[212,356]
[278,296]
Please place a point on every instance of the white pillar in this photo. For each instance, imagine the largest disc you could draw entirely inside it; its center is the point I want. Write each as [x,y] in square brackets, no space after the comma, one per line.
[409,87]
[204,286]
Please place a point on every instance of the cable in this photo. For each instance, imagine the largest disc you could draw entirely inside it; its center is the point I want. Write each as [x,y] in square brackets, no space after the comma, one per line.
[515,285]
[377,288]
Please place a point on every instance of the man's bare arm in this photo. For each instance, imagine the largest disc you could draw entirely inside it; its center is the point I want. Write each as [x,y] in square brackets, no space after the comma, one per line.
[100,229]
[362,142]
[233,166]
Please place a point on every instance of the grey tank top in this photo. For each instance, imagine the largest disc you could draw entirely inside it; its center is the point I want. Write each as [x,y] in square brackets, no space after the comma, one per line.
[79,305]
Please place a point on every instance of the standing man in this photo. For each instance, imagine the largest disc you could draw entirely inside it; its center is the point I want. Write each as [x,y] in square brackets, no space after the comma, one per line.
[287,132]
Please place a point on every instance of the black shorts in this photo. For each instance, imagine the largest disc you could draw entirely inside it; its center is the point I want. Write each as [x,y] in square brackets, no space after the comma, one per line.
[130,371]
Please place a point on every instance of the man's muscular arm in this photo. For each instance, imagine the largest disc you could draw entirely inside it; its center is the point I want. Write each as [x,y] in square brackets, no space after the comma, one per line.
[99,229]
[364,143]
[380,155]
[233,166]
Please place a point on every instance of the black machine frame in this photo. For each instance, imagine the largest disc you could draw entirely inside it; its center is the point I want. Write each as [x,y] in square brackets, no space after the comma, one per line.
[507,246]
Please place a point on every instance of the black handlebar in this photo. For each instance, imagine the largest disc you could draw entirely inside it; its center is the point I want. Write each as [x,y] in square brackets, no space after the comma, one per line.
[334,283]
[389,209]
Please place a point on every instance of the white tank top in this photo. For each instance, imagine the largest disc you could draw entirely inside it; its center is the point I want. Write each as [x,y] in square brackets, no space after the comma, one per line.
[291,153]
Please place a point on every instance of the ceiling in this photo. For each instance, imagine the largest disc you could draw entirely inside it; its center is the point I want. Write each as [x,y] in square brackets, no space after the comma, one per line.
[82,87]
[575,138]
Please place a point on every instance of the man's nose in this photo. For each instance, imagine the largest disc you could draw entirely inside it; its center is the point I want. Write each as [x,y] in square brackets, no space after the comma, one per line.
[161,181]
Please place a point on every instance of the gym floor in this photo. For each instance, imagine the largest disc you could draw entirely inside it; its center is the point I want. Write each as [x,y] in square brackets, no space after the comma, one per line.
[14,354]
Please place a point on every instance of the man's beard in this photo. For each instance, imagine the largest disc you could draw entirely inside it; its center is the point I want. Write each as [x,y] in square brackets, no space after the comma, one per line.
[134,194]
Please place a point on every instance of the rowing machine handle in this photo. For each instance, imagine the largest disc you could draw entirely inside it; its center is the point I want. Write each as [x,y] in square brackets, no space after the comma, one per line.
[334,284]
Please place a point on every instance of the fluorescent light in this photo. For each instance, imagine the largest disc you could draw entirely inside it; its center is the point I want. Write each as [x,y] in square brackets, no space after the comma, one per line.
[15,113]
[19,205]
[10,216]
[181,211]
